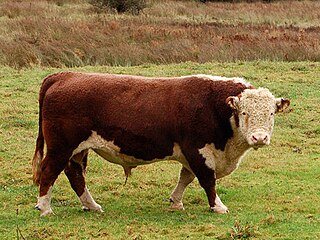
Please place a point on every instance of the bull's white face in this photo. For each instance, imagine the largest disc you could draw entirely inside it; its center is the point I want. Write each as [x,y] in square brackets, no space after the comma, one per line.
[254,109]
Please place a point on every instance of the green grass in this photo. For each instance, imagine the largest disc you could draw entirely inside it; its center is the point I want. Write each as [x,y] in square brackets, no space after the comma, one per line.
[275,193]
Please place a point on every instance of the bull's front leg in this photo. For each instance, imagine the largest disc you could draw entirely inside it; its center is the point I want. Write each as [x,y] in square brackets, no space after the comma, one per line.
[207,179]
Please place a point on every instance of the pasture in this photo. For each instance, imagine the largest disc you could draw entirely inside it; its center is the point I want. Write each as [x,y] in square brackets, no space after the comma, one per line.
[275,193]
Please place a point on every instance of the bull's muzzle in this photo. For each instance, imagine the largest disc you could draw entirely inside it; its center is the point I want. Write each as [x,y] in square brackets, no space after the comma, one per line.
[259,139]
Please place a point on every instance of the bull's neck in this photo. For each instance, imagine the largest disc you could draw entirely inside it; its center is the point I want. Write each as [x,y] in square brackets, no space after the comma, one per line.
[235,150]
[237,145]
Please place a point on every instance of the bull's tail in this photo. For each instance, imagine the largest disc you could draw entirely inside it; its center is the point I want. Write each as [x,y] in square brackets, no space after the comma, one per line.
[38,155]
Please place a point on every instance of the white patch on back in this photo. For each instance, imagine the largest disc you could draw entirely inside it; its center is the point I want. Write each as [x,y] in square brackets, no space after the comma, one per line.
[219,78]
[111,152]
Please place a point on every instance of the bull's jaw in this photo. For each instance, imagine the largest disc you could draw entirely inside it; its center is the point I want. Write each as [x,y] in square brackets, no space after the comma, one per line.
[257,146]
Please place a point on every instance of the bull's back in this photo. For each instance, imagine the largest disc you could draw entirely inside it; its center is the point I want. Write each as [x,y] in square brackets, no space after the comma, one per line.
[112,99]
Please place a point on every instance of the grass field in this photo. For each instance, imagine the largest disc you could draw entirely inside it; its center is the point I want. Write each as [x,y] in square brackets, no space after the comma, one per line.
[275,193]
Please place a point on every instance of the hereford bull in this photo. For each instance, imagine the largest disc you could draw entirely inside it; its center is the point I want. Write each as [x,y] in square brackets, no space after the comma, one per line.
[206,123]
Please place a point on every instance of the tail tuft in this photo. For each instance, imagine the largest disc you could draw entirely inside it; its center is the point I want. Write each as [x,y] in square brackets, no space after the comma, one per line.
[36,162]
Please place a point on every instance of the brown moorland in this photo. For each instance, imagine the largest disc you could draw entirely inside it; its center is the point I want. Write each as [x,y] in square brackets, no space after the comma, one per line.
[70,33]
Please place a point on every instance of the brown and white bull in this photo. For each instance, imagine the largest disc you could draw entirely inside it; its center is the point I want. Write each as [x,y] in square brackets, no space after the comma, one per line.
[204,122]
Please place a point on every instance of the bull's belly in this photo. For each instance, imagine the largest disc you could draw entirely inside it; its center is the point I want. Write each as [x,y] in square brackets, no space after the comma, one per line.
[125,160]
[112,153]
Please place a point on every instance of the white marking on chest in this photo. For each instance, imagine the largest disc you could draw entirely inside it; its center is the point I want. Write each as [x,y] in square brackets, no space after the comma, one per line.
[225,162]
[111,152]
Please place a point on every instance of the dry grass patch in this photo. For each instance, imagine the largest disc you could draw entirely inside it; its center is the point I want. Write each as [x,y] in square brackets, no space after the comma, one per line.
[70,33]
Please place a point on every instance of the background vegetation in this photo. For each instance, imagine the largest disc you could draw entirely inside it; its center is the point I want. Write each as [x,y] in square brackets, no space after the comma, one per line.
[71,33]
[121,6]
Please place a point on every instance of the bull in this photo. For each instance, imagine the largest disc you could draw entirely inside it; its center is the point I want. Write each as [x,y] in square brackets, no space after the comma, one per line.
[206,123]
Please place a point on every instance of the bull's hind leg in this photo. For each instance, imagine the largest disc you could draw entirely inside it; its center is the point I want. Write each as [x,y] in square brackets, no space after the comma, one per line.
[75,172]
[51,166]
[186,177]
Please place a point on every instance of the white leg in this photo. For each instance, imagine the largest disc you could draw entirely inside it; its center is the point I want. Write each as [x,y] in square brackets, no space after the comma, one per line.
[219,206]
[43,203]
[88,202]
[186,177]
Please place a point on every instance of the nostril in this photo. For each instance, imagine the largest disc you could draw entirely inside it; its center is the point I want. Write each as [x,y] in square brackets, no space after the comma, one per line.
[259,138]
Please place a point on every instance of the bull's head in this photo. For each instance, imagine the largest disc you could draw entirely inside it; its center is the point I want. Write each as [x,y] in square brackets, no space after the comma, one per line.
[254,111]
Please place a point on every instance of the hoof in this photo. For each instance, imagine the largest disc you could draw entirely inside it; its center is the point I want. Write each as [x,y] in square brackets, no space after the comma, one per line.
[176,205]
[95,209]
[44,212]
[220,209]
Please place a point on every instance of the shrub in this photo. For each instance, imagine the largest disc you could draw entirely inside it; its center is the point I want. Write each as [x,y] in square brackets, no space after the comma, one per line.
[237,1]
[121,6]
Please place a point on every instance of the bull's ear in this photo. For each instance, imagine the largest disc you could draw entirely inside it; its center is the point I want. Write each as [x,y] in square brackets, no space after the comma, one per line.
[281,104]
[232,102]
